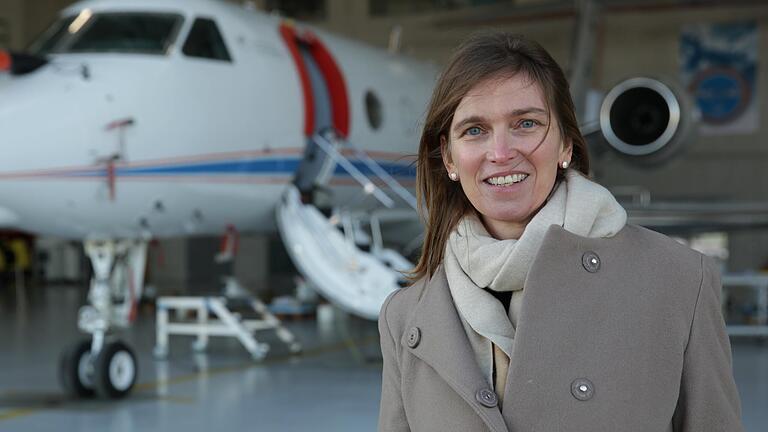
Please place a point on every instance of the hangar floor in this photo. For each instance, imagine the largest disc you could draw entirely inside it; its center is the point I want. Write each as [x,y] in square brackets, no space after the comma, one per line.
[333,386]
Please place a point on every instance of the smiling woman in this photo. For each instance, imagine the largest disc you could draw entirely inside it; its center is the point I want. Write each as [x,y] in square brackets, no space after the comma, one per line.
[534,305]
[504,152]
[515,84]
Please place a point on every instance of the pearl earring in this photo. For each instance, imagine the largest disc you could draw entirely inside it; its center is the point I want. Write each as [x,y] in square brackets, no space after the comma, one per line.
[564,164]
[454,176]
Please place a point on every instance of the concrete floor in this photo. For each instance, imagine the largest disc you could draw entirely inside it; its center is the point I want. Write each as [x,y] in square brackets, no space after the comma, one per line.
[333,386]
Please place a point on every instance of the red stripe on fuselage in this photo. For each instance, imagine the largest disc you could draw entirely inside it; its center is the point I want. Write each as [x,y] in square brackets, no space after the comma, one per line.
[66,172]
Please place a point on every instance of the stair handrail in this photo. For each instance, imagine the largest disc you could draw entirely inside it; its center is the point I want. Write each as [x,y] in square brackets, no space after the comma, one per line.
[386,177]
[368,186]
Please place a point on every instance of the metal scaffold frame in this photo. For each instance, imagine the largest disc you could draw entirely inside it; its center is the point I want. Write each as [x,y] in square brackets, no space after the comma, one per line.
[226,323]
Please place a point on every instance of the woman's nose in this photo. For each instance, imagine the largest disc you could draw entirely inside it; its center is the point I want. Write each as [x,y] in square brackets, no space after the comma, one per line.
[502,148]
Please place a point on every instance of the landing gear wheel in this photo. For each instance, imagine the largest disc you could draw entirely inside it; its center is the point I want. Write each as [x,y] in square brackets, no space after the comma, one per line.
[76,370]
[115,371]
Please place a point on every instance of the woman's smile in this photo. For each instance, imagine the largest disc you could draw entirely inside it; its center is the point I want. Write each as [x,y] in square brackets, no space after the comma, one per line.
[506,181]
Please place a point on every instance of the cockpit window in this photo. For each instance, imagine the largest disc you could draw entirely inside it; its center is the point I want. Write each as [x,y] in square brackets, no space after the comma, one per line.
[129,32]
[46,42]
[205,41]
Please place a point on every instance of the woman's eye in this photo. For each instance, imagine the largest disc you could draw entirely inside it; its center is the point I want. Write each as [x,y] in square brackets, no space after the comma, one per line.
[473,131]
[527,124]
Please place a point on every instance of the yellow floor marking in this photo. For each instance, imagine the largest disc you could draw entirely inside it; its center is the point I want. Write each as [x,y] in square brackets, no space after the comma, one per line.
[346,343]
[16,413]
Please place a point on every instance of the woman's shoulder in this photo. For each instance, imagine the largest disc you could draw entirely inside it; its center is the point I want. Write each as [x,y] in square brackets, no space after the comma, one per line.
[651,251]
[400,304]
[632,245]
[644,239]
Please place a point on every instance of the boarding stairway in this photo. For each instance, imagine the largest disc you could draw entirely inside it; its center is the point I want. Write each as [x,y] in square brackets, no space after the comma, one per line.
[349,267]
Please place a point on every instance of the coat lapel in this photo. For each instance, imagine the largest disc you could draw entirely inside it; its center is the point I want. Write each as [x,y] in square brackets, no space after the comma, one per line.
[445,347]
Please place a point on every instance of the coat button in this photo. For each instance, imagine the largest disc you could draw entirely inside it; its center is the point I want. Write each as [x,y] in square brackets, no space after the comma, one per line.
[591,262]
[582,389]
[414,337]
[487,398]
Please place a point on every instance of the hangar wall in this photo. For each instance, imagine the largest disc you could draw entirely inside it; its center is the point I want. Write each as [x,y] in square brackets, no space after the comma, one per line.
[633,40]
[11,32]
[25,19]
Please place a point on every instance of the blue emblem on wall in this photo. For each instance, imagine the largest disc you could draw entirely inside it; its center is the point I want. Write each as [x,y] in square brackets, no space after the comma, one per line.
[719,66]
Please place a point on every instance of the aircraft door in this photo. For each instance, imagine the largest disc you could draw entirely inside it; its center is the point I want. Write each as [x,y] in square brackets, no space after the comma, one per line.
[325,102]
[316,166]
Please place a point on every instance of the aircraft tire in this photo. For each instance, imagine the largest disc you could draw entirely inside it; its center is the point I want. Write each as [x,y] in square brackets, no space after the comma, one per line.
[76,370]
[115,371]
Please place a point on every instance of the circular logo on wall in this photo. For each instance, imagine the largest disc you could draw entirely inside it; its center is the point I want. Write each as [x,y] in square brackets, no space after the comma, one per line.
[721,93]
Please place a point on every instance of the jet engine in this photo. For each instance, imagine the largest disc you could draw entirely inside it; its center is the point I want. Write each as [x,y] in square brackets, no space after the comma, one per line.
[647,121]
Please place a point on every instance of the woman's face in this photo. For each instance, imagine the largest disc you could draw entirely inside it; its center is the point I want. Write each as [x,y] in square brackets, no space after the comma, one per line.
[506,152]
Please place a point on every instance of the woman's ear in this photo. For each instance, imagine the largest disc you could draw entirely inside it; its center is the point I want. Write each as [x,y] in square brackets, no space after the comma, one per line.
[566,153]
[445,151]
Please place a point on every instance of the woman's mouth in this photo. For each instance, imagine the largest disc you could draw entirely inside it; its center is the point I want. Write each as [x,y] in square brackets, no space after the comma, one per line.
[505,181]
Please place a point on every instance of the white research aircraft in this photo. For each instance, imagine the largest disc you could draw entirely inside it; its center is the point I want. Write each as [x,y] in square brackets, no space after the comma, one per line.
[139,119]
[143,119]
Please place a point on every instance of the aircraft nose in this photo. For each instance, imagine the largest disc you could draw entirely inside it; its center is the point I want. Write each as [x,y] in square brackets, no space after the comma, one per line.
[42,125]
[20,64]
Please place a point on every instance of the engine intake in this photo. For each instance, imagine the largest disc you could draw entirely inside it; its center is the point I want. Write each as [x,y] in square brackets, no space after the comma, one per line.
[646,120]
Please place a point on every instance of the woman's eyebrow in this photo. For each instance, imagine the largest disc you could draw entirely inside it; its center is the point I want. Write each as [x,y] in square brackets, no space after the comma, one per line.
[514,113]
[527,110]
[471,119]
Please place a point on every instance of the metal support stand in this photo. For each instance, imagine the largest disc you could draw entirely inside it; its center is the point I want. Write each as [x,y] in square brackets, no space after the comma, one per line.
[226,323]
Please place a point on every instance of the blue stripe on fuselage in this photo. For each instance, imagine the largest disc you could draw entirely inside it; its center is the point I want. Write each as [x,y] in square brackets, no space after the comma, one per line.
[275,166]
[285,166]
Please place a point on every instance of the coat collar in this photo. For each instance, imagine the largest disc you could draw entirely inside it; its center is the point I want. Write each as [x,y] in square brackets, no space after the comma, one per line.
[445,347]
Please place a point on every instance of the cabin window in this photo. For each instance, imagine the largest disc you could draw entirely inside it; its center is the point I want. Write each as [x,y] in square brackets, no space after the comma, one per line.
[205,41]
[373,109]
[138,33]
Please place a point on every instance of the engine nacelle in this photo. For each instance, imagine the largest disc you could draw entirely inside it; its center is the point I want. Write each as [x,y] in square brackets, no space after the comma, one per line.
[647,121]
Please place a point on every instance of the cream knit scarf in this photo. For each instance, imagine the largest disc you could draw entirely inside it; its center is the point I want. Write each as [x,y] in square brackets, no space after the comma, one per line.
[474,260]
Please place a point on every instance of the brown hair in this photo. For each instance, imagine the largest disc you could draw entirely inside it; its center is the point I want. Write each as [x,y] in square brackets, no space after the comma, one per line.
[481,57]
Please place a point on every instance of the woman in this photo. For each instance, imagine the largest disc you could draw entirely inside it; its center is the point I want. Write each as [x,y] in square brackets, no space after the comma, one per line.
[536,307]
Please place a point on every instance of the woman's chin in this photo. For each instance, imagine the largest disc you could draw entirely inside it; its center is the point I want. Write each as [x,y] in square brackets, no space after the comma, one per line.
[505,221]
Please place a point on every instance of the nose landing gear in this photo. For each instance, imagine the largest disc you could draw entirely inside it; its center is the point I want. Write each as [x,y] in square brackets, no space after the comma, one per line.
[102,366]
[76,370]
[110,374]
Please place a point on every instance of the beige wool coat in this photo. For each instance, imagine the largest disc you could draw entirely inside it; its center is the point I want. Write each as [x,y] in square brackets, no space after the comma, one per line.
[617,334]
